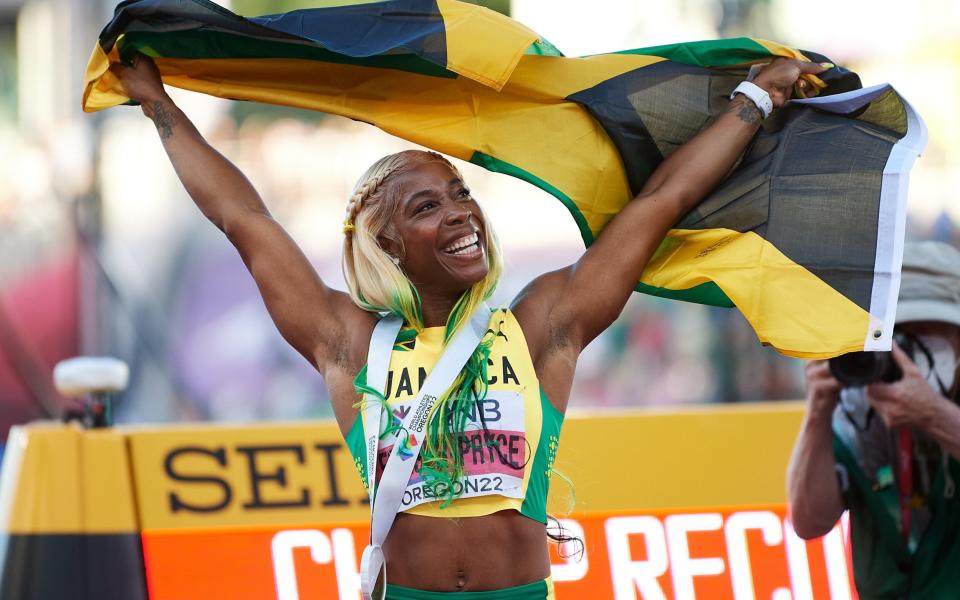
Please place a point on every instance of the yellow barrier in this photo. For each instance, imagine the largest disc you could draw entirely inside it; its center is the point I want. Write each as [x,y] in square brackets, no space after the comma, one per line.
[670,504]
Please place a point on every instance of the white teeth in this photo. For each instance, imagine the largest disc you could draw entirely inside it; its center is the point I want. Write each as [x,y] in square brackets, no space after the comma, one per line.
[461,246]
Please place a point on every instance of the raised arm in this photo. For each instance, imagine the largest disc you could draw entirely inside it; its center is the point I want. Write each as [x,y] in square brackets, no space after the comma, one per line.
[812,486]
[313,318]
[582,300]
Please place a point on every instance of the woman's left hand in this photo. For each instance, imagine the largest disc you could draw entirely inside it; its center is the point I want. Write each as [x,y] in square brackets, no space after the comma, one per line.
[778,77]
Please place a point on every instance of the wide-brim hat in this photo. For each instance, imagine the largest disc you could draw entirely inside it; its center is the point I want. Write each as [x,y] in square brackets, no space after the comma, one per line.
[930,283]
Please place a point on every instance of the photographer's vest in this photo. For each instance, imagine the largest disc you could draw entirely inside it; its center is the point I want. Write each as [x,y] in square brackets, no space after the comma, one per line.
[884,566]
[510,441]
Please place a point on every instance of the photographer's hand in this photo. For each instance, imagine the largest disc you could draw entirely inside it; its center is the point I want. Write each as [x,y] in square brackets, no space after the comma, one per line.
[912,402]
[823,390]
[815,500]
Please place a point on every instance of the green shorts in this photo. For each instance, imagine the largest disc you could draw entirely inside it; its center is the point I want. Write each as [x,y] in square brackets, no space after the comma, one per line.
[538,590]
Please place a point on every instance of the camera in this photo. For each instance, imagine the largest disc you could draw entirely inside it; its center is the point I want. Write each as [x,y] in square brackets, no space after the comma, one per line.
[857,369]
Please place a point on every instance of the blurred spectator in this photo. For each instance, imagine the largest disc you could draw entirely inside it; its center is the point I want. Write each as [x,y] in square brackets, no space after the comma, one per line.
[890,452]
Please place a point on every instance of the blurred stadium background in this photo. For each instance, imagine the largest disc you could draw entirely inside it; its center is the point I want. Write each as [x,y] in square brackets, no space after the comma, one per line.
[101,251]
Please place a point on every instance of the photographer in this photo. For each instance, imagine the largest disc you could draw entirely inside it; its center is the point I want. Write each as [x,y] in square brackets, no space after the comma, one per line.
[889,451]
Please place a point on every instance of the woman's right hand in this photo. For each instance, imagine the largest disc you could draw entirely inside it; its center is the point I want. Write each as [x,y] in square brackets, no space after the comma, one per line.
[141,82]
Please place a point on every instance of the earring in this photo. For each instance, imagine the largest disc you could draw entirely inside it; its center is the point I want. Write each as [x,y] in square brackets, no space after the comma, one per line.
[395,260]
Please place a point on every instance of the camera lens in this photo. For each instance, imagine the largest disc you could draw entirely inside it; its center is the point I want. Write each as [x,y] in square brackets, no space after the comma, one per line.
[857,369]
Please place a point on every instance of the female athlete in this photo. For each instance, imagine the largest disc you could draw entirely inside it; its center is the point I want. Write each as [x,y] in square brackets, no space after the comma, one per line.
[417,245]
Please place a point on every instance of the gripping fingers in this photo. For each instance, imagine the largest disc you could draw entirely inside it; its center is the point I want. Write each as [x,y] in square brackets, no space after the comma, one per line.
[822,387]
[818,369]
[784,77]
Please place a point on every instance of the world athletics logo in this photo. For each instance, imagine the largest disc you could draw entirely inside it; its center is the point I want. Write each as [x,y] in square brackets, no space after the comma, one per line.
[406,447]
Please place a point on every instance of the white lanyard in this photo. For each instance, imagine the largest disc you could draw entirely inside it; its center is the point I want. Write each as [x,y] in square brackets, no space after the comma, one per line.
[386,497]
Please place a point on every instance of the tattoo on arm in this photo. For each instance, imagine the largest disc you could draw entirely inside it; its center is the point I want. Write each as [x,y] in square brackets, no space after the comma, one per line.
[746,110]
[164,120]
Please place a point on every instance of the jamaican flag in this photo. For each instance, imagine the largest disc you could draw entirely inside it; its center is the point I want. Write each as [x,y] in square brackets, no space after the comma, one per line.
[804,236]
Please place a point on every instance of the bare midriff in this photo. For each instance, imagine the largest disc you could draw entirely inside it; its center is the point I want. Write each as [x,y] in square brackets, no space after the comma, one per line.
[501,550]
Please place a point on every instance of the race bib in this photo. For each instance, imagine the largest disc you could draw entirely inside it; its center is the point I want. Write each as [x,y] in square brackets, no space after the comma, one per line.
[493,447]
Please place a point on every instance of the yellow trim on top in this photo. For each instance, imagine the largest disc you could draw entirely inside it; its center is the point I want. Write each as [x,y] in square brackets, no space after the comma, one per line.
[511,345]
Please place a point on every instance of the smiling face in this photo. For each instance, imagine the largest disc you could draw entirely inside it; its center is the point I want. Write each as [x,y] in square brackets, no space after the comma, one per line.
[416,243]
[437,229]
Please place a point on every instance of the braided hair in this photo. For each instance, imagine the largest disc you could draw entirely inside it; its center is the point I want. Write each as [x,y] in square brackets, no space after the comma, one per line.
[378,284]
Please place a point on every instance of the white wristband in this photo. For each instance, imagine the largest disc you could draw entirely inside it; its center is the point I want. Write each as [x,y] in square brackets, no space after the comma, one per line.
[757,95]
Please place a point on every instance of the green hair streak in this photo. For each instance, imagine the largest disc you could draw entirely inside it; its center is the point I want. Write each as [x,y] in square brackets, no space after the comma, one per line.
[441,457]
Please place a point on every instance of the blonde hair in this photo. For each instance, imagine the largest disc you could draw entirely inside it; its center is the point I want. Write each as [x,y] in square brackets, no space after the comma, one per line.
[376,283]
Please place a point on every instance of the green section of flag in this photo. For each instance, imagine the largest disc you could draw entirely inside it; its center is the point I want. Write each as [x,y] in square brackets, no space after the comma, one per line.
[543,47]
[496,165]
[706,293]
[710,53]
